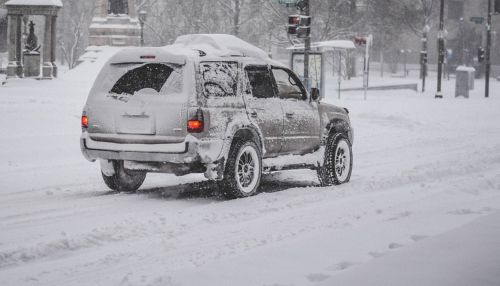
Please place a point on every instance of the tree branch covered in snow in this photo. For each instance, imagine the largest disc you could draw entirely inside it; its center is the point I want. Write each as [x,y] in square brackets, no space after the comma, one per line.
[261,22]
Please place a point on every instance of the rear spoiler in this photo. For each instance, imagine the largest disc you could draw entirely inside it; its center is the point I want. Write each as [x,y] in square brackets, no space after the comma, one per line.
[147,55]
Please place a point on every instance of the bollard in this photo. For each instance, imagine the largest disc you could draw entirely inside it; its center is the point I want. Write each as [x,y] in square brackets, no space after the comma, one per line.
[472,77]
[463,81]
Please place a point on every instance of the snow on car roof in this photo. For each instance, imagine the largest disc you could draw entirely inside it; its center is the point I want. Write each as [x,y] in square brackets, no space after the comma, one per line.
[220,45]
[197,47]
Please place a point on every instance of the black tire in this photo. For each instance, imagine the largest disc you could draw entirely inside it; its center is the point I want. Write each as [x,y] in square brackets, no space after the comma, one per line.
[338,161]
[239,182]
[124,180]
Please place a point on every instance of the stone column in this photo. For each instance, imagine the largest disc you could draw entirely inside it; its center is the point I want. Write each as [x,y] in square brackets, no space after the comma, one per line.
[19,46]
[131,9]
[47,49]
[53,39]
[11,36]
[102,8]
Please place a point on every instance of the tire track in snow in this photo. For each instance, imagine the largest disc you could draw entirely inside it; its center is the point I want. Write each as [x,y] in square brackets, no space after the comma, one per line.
[104,236]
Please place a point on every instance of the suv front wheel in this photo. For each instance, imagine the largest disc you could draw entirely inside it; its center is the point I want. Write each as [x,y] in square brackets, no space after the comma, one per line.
[243,170]
[337,166]
[124,180]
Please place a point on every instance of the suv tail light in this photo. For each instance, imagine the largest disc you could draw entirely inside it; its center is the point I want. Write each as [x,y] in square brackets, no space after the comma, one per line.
[196,123]
[85,121]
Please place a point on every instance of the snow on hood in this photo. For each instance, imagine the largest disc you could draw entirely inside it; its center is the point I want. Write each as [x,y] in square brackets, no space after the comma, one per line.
[220,45]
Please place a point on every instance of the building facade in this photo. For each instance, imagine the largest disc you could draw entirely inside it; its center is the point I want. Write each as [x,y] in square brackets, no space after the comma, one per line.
[3,26]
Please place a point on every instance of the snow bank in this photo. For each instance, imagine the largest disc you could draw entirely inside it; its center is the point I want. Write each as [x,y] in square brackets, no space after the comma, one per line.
[56,3]
[90,63]
[466,69]
[466,256]
[334,44]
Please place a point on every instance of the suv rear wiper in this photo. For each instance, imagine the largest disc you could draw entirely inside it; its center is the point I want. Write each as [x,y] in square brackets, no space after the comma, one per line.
[119,97]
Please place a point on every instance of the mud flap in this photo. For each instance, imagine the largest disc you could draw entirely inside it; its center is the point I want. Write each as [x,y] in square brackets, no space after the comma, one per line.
[107,167]
[215,171]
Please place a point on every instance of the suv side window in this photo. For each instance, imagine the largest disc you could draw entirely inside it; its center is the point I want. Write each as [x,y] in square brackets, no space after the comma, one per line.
[260,81]
[219,79]
[289,86]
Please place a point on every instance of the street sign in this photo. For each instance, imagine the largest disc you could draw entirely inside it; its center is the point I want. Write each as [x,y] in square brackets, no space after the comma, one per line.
[288,3]
[477,20]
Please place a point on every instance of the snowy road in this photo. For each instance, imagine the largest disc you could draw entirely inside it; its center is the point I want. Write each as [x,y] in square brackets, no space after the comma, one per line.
[423,168]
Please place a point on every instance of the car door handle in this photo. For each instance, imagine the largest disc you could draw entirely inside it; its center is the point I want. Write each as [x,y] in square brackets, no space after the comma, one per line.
[253,114]
[290,114]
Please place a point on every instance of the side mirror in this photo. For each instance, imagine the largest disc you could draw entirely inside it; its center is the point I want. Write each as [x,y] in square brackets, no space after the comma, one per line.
[315,94]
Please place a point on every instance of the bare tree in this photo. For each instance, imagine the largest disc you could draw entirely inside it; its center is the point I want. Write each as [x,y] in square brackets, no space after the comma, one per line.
[419,14]
[75,19]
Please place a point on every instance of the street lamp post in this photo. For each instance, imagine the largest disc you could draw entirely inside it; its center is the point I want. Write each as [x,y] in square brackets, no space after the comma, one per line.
[488,52]
[405,57]
[307,48]
[440,50]
[463,58]
[423,56]
[143,16]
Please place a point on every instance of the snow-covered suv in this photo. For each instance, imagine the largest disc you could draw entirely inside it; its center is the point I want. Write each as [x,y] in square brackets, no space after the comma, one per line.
[210,104]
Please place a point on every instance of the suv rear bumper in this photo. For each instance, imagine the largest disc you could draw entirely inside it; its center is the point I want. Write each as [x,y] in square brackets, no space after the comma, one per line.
[187,152]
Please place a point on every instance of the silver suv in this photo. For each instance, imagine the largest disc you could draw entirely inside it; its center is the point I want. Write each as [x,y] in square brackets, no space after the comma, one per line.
[210,104]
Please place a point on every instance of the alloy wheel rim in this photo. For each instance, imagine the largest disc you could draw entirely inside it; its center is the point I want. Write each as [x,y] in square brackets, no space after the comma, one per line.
[342,160]
[247,166]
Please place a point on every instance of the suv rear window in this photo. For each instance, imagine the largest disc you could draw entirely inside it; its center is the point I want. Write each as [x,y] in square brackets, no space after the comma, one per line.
[152,76]
[219,79]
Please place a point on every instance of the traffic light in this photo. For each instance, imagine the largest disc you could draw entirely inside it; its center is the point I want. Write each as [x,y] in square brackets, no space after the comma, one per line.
[497,6]
[293,24]
[303,32]
[423,57]
[299,25]
[360,41]
[481,54]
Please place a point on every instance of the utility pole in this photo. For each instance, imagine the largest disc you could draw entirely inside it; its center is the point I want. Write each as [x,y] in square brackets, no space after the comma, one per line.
[300,26]
[439,93]
[366,72]
[423,56]
[307,48]
[488,51]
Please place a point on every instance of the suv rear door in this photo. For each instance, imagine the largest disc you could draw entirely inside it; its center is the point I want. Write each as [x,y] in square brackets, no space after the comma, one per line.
[301,129]
[264,108]
[139,103]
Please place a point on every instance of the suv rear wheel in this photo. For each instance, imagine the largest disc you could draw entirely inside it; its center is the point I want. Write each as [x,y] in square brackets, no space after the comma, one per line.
[124,180]
[243,170]
[337,167]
